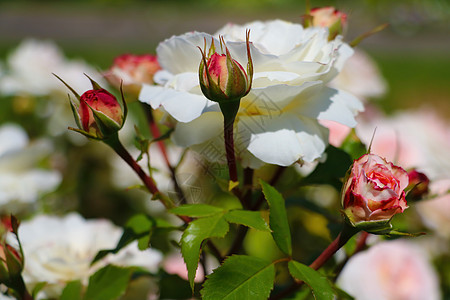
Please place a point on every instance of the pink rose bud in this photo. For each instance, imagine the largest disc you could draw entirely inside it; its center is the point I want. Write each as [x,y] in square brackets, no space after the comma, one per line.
[418,185]
[374,192]
[330,17]
[99,115]
[133,69]
[222,78]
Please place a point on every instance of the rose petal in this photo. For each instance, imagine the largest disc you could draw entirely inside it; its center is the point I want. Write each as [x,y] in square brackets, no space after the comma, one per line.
[283,139]
[205,127]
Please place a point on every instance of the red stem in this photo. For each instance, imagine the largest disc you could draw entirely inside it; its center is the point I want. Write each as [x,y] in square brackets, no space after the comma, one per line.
[149,183]
[229,148]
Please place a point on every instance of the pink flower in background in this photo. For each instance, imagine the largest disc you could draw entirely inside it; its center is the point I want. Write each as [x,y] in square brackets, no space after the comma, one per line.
[414,139]
[174,264]
[330,17]
[396,270]
[374,190]
[133,69]
[435,213]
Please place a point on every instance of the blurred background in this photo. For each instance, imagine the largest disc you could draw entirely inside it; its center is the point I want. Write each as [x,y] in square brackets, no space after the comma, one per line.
[412,53]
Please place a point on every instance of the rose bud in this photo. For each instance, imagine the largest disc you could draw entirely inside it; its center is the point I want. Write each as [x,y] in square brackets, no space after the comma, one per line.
[223,79]
[99,115]
[11,259]
[330,17]
[373,193]
[418,185]
[133,70]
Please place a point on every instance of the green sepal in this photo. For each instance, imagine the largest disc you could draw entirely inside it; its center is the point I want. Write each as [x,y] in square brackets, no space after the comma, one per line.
[123,104]
[95,85]
[229,110]
[106,125]
[68,86]
[85,133]
[13,263]
[75,113]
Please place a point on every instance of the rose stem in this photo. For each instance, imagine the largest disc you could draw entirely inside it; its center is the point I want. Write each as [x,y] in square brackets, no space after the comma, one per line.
[242,232]
[149,183]
[151,186]
[343,237]
[229,111]
[162,147]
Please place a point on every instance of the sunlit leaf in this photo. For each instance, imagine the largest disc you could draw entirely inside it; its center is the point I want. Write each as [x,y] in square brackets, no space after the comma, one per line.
[196,210]
[252,219]
[198,231]
[108,283]
[240,277]
[278,221]
[320,286]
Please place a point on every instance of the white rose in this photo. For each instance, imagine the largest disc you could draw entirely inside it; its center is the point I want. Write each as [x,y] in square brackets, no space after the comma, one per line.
[58,250]
[30,66]
[21,182]
[278,120]
[396,270]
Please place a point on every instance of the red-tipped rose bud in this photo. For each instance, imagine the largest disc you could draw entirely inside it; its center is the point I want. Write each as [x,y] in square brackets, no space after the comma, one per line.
[330,17]
[101,102]
[373,193]
[418,185]
[99,115]
[222,78]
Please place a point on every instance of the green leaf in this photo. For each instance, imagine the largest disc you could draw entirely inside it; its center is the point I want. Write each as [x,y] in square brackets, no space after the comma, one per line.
[278,218]
[252,219]
[240,277]
[332,170]
[198,231]
[320,286]
[108,283]
[72,291]
[37,288]
[196,210]
[139,227]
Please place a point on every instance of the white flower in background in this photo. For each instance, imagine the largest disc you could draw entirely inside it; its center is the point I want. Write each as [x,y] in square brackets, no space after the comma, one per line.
[60,249]
[30,66]
[395,270]
[278,120]
[21,181]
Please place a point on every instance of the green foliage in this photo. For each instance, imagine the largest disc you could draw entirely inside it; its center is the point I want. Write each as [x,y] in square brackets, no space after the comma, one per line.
[320,286]
[278,218]
[332,170]
[240,277]
[198,231]
[140,227]
[72,291]
[196,210]
[108,283]
[252,219]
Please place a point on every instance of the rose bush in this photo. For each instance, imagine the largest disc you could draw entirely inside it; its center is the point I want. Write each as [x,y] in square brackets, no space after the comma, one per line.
[277,121]
[374,190]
